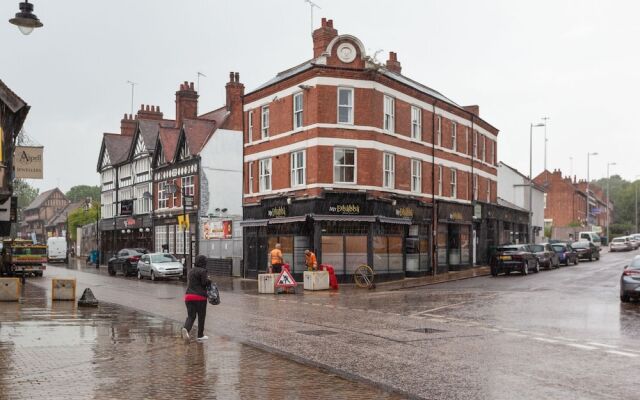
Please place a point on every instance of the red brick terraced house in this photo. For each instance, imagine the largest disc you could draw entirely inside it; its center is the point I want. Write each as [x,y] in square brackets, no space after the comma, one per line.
[365,166]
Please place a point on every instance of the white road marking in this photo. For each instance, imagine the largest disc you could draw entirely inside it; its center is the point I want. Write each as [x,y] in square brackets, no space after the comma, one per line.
[622,353]
[603,345]
[516,334]
[546,340]
[564,338]
[581,346]
[442,307]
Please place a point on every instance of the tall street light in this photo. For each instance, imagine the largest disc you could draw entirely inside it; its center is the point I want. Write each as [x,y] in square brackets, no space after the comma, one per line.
[26,20]
[531,126]
[588,193]
[608,184]
[636,209]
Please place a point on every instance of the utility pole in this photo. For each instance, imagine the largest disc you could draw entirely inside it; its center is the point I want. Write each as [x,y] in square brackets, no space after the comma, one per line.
[588,194]
[545,119]
[312,5]
[531,126]
[133,84]
[570,167]
[635,183]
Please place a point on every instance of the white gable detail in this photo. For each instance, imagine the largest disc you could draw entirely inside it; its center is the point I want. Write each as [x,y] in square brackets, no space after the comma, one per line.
[106,161]
[140,147]
[184,151]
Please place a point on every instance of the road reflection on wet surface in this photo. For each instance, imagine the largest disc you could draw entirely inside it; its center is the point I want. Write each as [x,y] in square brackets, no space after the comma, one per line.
[54,350]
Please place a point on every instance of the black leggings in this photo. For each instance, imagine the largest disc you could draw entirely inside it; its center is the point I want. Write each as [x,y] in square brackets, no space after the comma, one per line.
[193,308]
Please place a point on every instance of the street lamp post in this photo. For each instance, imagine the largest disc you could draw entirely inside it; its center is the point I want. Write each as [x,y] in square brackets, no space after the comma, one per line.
[636,209]
[607,205]
[531,126]
[588,193]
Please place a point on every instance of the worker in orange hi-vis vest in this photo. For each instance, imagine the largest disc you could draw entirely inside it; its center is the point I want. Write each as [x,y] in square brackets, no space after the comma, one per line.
[310,260]
[276,260]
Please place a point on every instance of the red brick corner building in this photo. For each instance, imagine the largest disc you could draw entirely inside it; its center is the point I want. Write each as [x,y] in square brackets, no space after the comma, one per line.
[354,160]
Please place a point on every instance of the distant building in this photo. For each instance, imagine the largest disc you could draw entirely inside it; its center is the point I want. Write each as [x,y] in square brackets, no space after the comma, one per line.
[57,225]
[42,209]
[566,203]
[513,189]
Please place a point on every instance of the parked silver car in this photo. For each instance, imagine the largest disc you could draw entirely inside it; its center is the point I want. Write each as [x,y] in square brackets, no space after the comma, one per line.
[630,281]
[621,243]
[159,265]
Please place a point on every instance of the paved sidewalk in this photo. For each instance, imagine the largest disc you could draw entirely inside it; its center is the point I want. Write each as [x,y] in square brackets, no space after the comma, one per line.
[58,351]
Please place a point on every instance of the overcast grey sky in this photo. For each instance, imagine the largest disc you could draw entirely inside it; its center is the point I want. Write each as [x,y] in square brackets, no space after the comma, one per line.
[576,62]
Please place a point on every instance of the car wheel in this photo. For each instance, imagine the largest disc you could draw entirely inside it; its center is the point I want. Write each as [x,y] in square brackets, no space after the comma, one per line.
[139,275]
[153,276]
[576,261]
[537,268]
[525,269]
[590,257]
[625,298]
[494,271]
[507,272]
[111,271]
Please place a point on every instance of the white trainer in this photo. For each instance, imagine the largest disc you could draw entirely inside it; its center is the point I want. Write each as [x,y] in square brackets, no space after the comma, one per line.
[202,339]
[185,334]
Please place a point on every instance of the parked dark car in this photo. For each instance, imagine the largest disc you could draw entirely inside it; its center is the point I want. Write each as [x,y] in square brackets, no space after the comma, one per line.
[515,257]
[125,261]
[546,256]
[630,281]
[566,253]
[586,250]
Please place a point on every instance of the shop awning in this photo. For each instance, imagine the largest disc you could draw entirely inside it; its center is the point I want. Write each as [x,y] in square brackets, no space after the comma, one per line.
[286,220]
[351,218]
[254,222]
[390,220]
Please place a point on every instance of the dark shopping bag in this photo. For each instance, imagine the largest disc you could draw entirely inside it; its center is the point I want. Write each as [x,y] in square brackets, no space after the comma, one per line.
[213,294]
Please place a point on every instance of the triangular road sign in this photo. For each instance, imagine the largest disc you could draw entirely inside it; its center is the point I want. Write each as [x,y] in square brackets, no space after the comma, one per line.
[285,280]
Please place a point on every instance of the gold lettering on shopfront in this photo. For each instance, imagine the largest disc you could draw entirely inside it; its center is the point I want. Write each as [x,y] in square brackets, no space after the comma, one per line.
[345,209]
[275,212]
[404,212]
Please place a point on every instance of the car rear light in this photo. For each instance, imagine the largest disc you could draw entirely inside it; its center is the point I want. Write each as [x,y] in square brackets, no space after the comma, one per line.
[629,272]
[134,259]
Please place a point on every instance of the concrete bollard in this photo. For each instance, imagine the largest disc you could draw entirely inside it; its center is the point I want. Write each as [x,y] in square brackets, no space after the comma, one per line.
[267,283]
[10,289]
[88,299]
[63,289]
[316,280]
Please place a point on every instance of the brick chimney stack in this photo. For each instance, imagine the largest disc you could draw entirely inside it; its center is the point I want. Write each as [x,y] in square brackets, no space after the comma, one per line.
[475,109]
[323,36]
[149,112]
[393,64]
[235,91]
[128,125]
[186,103]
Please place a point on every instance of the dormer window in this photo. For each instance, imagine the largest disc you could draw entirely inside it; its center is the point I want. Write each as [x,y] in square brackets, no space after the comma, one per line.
[184,153]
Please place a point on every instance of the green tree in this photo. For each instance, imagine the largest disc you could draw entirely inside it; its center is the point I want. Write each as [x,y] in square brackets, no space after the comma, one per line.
[80,217]
[81,192]
[25,192]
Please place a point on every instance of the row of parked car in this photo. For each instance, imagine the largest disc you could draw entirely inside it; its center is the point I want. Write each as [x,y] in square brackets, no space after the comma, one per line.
[139,262]
[625,243]
[526,258]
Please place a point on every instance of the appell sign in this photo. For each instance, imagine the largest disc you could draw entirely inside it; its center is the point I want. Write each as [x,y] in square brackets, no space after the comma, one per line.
[27,162]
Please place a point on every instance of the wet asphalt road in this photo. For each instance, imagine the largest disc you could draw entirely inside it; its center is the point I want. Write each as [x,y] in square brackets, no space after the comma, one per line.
[559,334]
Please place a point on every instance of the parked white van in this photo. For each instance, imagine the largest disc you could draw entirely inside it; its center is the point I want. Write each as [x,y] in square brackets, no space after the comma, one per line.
[591,237]
[57,249]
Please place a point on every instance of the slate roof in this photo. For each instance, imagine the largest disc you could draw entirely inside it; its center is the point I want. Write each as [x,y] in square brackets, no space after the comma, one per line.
[168,138]
[117,146]
[149,129]
[198,132]
[61,216]
[41,198]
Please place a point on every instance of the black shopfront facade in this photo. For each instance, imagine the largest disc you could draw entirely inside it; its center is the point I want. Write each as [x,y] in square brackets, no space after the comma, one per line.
[498,225]
[454,236]
[345,230]
[125,232]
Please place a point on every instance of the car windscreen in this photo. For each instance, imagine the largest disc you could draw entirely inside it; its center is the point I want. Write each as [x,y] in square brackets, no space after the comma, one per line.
[509,248]
[558,248]
[537,248]
[635,264]
[618,240]
[580,245]
[162,258]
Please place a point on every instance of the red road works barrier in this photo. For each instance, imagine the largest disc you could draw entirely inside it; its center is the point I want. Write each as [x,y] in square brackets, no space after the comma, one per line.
[333,281]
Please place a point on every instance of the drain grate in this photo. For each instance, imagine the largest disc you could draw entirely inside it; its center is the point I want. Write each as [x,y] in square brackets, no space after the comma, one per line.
[319,332]
[426,330]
